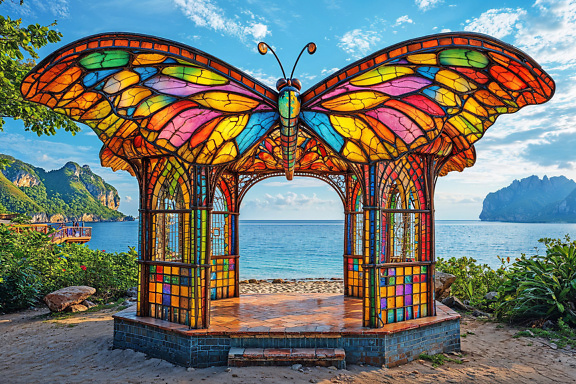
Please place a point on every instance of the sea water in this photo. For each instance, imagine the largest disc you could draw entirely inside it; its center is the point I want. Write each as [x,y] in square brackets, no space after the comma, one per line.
[313,249]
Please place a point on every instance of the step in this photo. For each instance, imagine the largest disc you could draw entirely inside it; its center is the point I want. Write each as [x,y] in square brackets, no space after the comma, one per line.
[325,357]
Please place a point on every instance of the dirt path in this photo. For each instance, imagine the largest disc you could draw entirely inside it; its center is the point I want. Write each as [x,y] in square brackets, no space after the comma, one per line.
[78,349]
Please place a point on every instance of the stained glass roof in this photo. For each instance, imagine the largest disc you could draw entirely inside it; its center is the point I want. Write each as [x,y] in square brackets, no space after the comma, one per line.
[145,96]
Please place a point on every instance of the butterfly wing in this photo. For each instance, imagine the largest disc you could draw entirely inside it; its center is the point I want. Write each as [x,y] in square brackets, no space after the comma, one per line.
[145,96]
[403,98]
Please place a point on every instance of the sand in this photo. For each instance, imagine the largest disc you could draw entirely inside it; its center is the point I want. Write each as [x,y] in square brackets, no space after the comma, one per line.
[35,348]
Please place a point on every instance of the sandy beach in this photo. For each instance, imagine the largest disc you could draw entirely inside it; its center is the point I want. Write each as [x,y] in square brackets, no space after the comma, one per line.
[35,348]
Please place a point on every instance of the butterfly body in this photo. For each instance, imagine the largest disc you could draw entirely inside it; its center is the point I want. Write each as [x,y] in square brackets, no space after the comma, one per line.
[289,110]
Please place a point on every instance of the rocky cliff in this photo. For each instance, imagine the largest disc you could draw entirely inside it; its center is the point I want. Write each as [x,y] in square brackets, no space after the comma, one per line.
[532,200]
[70,193]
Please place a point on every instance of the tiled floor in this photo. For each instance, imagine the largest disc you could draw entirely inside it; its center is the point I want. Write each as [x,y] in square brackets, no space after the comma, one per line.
[277,314]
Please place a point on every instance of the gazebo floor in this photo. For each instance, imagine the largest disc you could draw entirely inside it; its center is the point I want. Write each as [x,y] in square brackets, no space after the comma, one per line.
[288,321]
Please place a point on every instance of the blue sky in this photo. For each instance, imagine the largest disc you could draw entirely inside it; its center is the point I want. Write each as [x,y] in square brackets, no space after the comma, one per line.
[538,140]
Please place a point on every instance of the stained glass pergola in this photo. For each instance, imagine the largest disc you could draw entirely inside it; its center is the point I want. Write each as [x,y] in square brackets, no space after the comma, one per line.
[199,133]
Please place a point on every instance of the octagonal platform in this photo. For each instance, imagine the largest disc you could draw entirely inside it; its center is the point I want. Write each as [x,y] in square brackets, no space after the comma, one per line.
[288,321]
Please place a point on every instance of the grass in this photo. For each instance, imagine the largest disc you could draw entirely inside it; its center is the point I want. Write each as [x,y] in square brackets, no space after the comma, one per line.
[439,359]
[563,336]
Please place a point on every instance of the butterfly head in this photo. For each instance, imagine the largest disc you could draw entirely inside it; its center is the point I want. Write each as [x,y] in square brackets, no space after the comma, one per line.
[291,83]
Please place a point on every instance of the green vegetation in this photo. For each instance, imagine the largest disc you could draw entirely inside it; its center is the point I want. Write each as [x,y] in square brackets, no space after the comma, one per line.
[473,280]
[438,359]
[31,266]
[18,46]
[541,286]
[562,337]
[71,191]
[532,289]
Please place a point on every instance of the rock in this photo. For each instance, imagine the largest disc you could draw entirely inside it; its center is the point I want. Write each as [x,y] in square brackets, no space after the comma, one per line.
[132,292]
[548,325]
[454,302]
[126,303]
[333,368]
[296,367]
[277,281]
[228,369]
[190,369]
[253,281]
[478,313]
[88,304]
[76,308]
[442,283]
[59,300]
[491,296]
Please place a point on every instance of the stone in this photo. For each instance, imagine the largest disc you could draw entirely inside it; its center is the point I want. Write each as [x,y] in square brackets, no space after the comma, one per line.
[88,304]
[333,368]
[454,302]
[479,313]
[61,299]
[132,292]
[253,281]
[190,369]
[442,283]
[491,296]
[76,308]
[277,281]
[296,367]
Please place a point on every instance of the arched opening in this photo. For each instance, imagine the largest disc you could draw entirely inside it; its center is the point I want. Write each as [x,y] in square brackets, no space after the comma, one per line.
[292,237]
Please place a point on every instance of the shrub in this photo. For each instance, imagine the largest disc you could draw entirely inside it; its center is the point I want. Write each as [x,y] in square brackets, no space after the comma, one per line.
[473,280]
[541,286]
[31,266]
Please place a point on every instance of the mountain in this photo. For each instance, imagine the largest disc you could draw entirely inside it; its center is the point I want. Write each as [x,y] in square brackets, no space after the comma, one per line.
[71,193]
[533,200]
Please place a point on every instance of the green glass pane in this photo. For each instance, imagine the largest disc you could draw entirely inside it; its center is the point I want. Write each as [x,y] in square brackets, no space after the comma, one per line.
[195,75]
[106,59]
[463,58]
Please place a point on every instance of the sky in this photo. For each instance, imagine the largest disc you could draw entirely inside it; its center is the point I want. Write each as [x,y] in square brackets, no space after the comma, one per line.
[538,140]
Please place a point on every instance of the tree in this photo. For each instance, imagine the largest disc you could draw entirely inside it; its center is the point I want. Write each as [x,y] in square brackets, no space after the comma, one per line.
[18,47]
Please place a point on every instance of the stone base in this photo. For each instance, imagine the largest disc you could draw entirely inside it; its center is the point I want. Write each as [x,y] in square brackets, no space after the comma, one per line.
[392,345]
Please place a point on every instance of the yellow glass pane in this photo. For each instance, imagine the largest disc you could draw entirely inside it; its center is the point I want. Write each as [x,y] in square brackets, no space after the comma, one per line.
[355,101]
[353,153]
[423,298]
[399,301]
[391,291]
[184,291]
[381,74]
[391,302]
[399,271]
[174,301]
[120,81]
[231,127]
[225,101]
[423,58]
[454,81]
[132,97]
[148,58]
[175,289]
[416,288]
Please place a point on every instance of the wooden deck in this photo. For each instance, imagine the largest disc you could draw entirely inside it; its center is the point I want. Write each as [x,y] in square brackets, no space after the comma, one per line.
[64,234]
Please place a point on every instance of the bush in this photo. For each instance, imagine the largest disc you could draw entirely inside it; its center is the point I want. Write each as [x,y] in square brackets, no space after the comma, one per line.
[541,287]
[31,266]
[473,280]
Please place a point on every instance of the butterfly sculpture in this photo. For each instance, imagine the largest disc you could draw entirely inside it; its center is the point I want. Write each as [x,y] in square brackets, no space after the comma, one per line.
[146,96]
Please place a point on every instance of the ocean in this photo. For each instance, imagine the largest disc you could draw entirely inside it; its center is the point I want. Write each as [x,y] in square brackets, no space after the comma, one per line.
[313,249]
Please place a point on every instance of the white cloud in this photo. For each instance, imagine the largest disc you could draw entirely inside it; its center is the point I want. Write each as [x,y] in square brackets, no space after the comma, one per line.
[497,22]
[128,199]
[547,32]
[298,182]
[444,30]
[358,43]
[258,74]
[403,20]
[204,13]
[289,200]
[328,71]
[425,5]
[58,8]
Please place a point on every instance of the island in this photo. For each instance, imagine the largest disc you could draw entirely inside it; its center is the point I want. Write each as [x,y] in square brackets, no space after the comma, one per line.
[533,200]
[71,193]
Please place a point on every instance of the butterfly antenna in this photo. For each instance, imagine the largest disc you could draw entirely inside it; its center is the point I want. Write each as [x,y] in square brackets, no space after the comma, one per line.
[263,49]
[311,47]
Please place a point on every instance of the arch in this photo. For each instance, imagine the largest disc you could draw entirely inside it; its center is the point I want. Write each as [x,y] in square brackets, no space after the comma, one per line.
[336,181]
